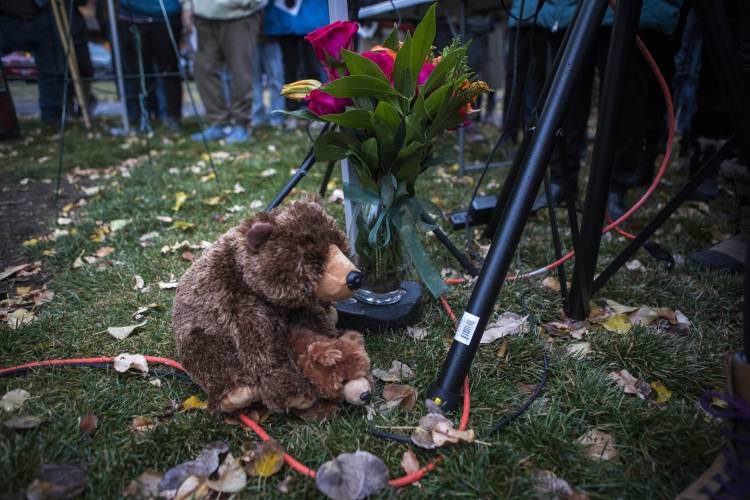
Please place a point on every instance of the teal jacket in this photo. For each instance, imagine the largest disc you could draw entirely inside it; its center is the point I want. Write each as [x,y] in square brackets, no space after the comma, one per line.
[656,15]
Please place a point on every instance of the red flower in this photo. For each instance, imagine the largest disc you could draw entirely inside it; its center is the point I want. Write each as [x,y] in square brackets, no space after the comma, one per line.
[328,41]
[383,59]
[427,69]
[321,103]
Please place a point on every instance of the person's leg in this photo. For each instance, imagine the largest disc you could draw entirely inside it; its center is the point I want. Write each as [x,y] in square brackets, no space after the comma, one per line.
[291,61]
[259,115]
[275,73]
[239,38]
[167,65]
[129,54]
[50,62]
[209,61]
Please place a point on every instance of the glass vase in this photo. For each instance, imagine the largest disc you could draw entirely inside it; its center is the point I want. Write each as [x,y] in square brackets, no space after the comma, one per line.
[381,258]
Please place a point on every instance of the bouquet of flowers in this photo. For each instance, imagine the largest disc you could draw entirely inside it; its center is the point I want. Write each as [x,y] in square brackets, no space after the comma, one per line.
[390,105]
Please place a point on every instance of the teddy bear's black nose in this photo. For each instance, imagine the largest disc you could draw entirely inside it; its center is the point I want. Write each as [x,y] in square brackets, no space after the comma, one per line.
[365,396]
[354,280]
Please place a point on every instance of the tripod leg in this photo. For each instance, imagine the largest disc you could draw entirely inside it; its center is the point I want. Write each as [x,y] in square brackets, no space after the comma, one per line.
[556,239]
[326,178]
[621,46]
[445,391]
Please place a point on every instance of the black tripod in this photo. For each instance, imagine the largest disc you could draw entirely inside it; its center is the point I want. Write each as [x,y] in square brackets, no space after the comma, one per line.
[526,175]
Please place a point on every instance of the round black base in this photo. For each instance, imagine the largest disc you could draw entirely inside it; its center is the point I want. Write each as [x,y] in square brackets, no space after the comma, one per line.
[356,315]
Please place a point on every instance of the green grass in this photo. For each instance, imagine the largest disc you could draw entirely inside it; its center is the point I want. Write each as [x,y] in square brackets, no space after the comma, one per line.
[661,447]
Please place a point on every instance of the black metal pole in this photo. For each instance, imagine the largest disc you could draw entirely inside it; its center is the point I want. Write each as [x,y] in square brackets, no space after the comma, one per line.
[458,254]
[621,46]
[302,171]
[708,168]
[445,391]
[556,241]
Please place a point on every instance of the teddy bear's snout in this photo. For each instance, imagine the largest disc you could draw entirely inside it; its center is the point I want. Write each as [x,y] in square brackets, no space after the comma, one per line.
[354,280]
[357,391]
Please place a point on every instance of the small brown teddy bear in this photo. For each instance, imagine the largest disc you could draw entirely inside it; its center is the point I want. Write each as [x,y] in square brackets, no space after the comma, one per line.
[237,306]
[339,368]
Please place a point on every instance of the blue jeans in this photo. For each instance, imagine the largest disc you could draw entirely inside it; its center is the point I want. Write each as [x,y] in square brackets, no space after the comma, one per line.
[39,36]
[268,60]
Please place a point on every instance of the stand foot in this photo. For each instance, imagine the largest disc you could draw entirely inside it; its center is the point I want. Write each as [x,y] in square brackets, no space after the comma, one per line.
[356,315]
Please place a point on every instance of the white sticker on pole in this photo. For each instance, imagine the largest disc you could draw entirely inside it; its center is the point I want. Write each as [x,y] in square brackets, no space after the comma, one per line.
[466,328]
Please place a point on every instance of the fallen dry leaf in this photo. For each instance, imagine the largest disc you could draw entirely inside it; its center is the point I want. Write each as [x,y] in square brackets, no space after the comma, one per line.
[434,430]
[507,323]
[597,445]
[503,351]
[202,466]
[635,265]
[13,400]
[88,423]
[23,422]
[126,361]
[144,486]
[118,224]
[268,172]
[192,488]
[212,201]
[630,384]
[232,477]
[16,319]
[122,332]
[548,485]
[180,198]
[285,486]
[182,225]
[11,270]
[352,476]
[264,459]
[396,373]
[551,284]
[416,332]
[141,425]
[662,393]
[137,282]
[410,462]
[57,481]
[403,395]
[167,285]
[194,403]
[103,252]
[619,323]
[164,218]
[579,349]
[237,189]
[141,311]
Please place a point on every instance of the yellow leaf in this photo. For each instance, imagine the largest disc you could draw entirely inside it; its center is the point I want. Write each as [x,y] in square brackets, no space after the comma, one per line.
[67,208]
[213,201]
[22,291]
[662,393]
[49,253]
[99,234]
[180,197]
[183,225]
[619,323]
[265,460]
[194,403]
[210,176]
[31,242]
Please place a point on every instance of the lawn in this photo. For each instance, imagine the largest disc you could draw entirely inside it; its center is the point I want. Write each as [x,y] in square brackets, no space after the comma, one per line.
[660,447]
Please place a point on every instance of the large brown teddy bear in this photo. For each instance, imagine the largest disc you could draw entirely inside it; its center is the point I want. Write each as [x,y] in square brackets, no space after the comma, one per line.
[237,306]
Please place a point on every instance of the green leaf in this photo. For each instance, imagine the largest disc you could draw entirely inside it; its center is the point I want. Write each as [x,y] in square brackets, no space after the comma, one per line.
[391,41]
[389,114]
[353,118]
[408,172]
[360,65]
[437,99]
[411,57]
[359,86]
[370,151]
[409,150]
[443,69]
[333,146]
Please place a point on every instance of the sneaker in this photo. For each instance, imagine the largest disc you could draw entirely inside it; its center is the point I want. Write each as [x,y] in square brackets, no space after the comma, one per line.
[211,133]
[238,135]
[727,255]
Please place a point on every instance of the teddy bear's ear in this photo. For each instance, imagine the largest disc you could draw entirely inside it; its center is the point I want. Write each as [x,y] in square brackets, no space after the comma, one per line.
[322,353]
[258,234]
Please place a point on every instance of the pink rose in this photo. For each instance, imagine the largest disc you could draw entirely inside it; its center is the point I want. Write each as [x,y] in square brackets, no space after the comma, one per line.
[383,59]
[321,103]
[328,41]
[427,69]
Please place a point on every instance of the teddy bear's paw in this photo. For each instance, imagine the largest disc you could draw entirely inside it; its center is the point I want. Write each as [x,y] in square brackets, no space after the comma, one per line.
[300,402]
[238,398]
